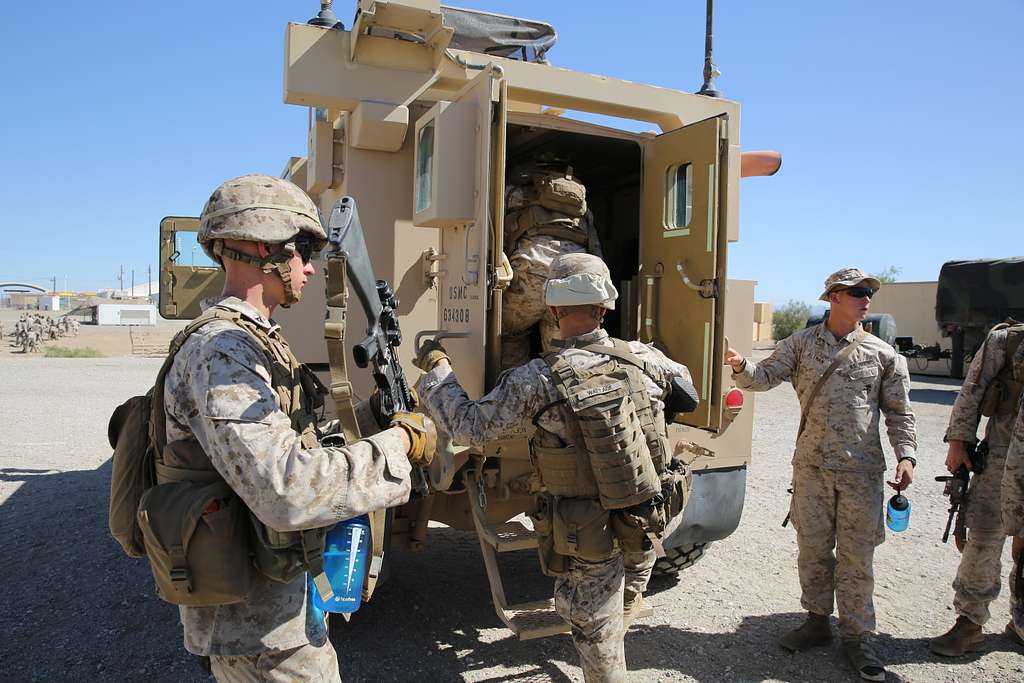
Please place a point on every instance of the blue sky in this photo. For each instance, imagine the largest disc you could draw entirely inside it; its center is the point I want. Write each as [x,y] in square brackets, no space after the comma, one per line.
[899,122]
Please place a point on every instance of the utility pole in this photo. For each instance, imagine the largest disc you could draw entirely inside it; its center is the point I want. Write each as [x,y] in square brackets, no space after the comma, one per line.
[149,280]
[54,289]
[133,282]
[120,281]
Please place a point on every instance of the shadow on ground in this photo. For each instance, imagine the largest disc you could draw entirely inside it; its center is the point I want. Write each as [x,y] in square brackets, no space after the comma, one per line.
[942,397]
[75,608]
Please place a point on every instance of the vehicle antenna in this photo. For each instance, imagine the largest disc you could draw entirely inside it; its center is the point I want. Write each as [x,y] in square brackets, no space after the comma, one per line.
[711,71]
[326,17]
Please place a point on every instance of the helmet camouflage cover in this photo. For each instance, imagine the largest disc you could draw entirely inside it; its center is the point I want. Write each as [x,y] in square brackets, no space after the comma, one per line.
[579,279]
[258,208]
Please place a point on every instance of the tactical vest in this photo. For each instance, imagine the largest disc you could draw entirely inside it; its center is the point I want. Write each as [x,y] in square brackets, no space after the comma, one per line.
[619,444]
[215,572]
[554,204]
[1002,396]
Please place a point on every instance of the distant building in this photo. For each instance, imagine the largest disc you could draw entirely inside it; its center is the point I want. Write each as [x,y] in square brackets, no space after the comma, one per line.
[912,304]
[124,314]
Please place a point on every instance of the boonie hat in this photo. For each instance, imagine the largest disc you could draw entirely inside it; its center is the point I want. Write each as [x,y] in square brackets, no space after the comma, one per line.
[848,277]
[578,280]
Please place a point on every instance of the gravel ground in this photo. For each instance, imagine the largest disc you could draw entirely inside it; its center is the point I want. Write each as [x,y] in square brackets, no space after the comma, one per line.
[74,608]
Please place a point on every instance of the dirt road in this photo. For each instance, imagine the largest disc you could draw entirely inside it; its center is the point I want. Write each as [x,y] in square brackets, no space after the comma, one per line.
[74,608]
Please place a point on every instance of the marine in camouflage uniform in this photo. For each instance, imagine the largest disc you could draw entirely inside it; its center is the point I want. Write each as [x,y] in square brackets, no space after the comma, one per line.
[838,464]
[590,595]
[537,231]
[978,577]
[221,392]
[1013,519]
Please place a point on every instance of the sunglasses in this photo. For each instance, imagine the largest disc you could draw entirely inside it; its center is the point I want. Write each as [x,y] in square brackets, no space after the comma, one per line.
[859,292]
[304,247]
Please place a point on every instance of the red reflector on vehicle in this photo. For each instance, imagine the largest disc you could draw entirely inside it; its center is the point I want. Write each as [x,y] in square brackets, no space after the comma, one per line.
[212,507]
[734,399]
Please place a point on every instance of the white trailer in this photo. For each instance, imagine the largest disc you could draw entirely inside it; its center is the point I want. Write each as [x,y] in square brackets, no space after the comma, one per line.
[125,314]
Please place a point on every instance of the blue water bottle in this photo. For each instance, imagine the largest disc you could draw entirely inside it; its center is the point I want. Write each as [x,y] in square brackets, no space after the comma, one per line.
[897,513]
[345,556]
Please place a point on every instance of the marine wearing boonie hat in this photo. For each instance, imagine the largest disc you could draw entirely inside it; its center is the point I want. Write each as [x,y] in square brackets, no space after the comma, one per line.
[848,277]
[579,279]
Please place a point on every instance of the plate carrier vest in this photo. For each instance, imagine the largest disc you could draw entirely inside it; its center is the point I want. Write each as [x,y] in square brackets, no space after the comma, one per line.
[279,556]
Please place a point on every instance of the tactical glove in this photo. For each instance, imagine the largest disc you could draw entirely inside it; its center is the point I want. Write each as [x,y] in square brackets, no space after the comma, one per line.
[422,435]
[431,352]
[379,415]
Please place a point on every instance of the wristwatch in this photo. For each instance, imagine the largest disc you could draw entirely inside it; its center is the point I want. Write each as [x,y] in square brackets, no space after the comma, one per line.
[913,461]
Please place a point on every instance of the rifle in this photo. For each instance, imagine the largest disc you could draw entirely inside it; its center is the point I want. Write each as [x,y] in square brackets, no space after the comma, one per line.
[383,335]
[957,488]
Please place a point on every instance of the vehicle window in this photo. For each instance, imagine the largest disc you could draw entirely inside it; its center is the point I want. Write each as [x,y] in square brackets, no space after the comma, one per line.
[189,253]
[424,167]
[679,197]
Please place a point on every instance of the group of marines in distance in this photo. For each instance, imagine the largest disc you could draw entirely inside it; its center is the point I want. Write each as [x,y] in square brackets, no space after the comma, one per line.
[32,329]
[236,411]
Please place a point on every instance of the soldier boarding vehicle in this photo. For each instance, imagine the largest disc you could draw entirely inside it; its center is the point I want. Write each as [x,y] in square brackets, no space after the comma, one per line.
[421,113]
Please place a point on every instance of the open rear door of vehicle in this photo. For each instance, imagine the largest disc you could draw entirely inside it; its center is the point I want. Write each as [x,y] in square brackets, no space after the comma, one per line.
[460,163]
[187,275]
[682,254]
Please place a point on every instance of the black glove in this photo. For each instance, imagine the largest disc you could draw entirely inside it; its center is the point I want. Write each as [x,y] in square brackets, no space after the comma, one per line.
[682,398]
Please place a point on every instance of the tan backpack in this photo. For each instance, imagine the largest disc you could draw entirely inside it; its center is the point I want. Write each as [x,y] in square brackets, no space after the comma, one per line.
[133,464]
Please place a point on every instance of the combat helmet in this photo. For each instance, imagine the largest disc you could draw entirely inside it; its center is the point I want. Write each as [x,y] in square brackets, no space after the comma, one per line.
[261,208]
[579,279]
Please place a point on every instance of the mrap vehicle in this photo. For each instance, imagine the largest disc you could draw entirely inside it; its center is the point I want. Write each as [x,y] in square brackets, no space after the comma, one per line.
[418,112]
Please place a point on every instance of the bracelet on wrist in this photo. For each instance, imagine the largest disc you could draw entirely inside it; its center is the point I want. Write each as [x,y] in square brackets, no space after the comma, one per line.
[913,461]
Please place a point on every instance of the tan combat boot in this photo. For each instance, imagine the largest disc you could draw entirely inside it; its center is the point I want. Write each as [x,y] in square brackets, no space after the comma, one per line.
[964,637]
[813,632]
[633,605]
[862,658]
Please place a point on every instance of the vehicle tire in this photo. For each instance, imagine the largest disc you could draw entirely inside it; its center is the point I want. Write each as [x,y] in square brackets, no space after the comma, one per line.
[678,559]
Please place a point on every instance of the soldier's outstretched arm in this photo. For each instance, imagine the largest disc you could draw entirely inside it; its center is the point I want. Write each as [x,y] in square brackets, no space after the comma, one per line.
[251,443]
[506,412]
[770,372]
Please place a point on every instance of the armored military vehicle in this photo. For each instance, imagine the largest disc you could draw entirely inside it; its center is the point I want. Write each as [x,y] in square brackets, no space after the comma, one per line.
[419,111]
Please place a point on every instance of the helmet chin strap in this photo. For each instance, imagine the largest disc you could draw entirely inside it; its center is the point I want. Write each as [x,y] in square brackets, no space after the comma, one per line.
[279,263]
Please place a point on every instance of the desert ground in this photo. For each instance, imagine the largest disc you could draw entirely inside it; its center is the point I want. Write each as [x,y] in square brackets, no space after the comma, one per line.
[75,608]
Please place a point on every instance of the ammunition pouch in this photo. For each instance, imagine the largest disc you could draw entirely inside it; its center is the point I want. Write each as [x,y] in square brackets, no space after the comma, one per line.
[565,471]
[1001,397]
[675,490]
[581,528]
[633,527]
[283,555]
[196,540]
[551,562]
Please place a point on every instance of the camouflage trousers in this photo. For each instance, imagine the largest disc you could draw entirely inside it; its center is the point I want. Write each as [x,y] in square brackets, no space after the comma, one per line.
[978,577]
[638,569]
[522,307]
[304,663]
[589,597]
[1013,483]
[838,511]
[1017,599]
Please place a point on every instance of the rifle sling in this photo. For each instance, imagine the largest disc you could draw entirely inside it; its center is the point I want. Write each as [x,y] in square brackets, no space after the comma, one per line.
[840,358]
[341,393]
